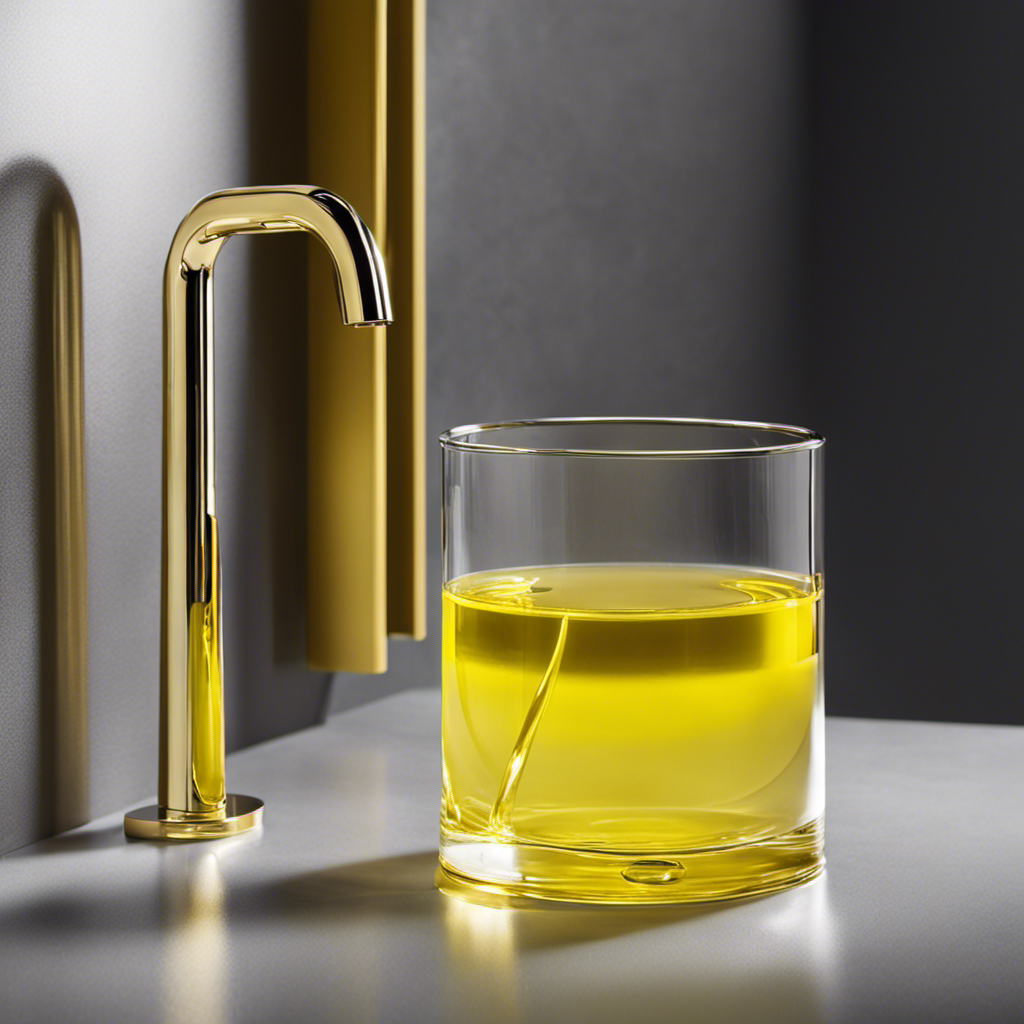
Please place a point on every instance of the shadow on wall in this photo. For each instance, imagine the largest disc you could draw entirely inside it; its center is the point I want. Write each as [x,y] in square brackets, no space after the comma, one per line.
[278,293]
[261,371]
[43,581]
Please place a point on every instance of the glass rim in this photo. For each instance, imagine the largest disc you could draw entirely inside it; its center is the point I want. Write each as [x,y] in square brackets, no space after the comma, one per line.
[456,438]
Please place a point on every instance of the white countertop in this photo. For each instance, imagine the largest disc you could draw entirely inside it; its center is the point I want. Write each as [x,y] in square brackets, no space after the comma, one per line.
[330,913]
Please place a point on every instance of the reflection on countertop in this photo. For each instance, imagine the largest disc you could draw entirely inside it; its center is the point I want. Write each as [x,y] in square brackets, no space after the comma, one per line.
[332,912]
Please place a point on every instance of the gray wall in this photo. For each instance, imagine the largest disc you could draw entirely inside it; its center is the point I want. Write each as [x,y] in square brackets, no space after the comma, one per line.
[614,226]
[918,319]
[139,110]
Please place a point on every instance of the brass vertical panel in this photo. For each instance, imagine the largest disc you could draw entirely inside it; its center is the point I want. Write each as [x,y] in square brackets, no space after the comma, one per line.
[71,797]
[404,252]
[346,621]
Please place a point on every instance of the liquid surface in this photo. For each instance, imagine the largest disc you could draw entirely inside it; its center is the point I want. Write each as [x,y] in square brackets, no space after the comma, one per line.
[630,708]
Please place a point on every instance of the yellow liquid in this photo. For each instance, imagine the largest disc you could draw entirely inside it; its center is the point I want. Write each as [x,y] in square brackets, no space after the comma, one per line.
[632,732]
[205,692]
[207,701]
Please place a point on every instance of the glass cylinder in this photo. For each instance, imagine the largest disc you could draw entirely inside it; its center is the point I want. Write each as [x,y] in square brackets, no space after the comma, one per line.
[631,658]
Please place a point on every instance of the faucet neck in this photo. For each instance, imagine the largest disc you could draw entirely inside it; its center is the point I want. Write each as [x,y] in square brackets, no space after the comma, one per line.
[191,779]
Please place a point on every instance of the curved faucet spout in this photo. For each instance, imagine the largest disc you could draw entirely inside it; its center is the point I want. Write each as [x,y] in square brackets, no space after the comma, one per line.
[192,798]
[358,267]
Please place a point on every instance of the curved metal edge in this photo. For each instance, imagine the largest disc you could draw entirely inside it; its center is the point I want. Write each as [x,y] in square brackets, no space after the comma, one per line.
[372,281]
[241,814]
[359,266]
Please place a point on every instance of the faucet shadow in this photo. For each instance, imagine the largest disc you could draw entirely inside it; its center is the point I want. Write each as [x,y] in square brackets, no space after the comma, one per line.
[79,841]
[277,152]
[43,546]
[261,388]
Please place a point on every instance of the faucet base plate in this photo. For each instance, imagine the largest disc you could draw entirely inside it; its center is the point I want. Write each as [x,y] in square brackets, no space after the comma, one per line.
[241,813]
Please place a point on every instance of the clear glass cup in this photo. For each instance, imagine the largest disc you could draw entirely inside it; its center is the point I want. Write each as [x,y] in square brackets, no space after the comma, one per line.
[631,658]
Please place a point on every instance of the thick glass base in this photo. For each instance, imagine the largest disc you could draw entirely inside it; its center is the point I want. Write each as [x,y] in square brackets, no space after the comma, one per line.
[556,873]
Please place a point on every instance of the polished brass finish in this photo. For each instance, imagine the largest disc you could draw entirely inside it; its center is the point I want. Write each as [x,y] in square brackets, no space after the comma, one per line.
[191,779]
[366,541]
[71,796]
[240,814]
[346,596]
[404,252]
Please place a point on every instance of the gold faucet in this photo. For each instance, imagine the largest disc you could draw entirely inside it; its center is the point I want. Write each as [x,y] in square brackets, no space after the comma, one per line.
[193,803]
